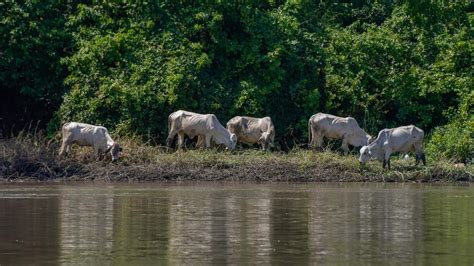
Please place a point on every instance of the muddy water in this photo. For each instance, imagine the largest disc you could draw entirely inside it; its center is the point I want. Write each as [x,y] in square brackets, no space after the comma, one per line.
[237,223]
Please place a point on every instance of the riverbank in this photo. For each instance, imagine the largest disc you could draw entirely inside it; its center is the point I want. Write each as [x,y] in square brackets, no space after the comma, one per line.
[34,159]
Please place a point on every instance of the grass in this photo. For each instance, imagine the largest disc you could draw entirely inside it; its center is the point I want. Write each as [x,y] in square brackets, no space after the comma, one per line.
[34,157]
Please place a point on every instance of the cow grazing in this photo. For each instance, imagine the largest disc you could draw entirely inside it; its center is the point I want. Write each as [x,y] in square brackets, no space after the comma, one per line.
[251,130]
[205,126]
[89,135]
[322,126]
[401,139]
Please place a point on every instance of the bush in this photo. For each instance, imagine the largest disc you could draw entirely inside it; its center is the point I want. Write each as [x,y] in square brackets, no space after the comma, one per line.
[453,141]
[127,65]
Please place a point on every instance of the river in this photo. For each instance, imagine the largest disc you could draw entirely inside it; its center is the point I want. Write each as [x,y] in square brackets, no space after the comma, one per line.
[233,223]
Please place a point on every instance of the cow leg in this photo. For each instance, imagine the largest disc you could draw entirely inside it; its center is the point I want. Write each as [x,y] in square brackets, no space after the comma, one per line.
[312,138]
[169,141]
[170,138]
[318,142]
[200,142]
[67,148]
[417,153]
[208,141]
[66,143]
[345,146]
[421,157]
[386,159]
[62,149]
[386,162]
[180,139]
[97,153]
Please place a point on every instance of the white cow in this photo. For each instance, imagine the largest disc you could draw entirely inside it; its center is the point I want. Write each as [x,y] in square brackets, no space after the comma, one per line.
[251,130]
[401,139]
[322,126]
[205,126]
[89,135]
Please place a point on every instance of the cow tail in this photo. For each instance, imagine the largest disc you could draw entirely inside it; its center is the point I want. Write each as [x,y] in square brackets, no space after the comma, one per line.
[169,125]
[309,133]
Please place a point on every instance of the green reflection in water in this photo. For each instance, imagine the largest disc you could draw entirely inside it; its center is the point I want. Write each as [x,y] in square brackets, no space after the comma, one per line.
[29,231]
[448,231]
[289,228]
[141,228]
[237,223]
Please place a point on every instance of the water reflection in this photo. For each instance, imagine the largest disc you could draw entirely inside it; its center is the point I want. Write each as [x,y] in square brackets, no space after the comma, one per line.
[86,221]
[448,232]
[249,224]
[29,230]
[141,227]
[373,225]
[290,227]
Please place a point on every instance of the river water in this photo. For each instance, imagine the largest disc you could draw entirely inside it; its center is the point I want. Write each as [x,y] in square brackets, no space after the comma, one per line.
[218,223]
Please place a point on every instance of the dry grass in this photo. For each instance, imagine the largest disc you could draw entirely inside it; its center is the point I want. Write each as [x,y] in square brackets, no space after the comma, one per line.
[31,157]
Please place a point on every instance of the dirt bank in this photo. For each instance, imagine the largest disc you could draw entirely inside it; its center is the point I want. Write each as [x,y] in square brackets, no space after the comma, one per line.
[32,158]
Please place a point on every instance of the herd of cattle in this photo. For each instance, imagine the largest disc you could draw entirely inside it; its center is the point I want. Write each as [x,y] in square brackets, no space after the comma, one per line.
[250,130]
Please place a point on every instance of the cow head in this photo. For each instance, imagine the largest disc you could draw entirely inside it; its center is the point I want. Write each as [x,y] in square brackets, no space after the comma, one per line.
[233,141]
[365,154]
[115,150]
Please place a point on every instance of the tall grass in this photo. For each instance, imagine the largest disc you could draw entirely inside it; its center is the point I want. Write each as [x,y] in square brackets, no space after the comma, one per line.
[35,157]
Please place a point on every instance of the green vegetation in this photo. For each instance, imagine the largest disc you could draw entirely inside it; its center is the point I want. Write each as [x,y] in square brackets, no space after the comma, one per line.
[33,39]
[35,157]
[454,141]
[128,65]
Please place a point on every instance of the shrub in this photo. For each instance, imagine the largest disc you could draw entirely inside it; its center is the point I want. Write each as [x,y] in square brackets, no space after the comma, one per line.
[454,141]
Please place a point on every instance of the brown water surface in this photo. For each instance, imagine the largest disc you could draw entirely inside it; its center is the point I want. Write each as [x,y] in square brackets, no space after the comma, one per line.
[216,223]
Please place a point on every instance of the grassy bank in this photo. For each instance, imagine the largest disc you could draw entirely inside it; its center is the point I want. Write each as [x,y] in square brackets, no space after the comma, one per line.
[33,158]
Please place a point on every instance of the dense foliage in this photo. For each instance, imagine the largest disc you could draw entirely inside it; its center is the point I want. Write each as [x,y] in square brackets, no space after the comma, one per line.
[32,42]
[386,63]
